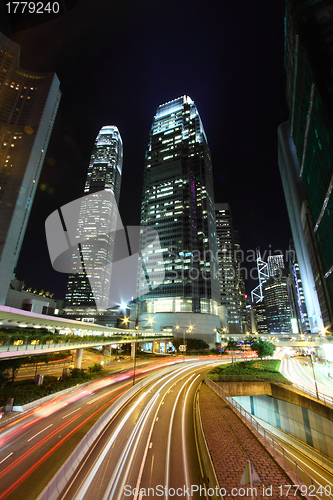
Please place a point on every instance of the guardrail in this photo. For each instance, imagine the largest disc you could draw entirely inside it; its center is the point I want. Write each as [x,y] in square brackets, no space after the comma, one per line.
[321,396]
[251,378]
[311,487]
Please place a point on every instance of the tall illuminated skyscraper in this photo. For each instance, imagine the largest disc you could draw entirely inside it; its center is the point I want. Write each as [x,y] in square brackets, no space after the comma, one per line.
[178,202]
[229,253]
[28,107]
[308,65]
[104,174]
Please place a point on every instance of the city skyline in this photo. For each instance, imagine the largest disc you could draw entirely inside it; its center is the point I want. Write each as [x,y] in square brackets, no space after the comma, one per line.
[240,120]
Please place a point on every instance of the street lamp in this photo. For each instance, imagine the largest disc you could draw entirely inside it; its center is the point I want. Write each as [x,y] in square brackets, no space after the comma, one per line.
[134,347]
[314,377]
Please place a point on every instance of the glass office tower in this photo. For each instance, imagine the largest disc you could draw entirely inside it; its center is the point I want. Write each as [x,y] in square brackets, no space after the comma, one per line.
[178,202]
[28,107]
[308,65]
[229,252]
[104,174]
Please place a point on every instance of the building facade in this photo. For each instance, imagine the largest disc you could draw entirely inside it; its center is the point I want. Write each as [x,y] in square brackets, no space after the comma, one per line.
[104,176]
[276,297]
[295,196]
[308,64]
[28,107]
[229,258]
[178,202]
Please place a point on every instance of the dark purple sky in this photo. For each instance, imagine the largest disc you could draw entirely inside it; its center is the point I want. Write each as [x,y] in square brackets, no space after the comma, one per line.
[118,60]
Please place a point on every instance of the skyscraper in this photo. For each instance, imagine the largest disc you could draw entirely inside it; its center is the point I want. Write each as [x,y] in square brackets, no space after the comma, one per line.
[104,175]
[276,298]
[295,196]
[178,201]
[231,282]
[308,64]
[28,107]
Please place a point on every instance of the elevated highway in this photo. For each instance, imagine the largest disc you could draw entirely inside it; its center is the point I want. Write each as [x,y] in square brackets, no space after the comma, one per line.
[104,335]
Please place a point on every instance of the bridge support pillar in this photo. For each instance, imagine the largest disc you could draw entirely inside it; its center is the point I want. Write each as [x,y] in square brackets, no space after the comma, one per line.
[154,347]
[78,358]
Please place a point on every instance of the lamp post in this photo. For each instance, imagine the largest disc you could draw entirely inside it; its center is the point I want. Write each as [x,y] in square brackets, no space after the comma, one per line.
[134,342]
[314,377]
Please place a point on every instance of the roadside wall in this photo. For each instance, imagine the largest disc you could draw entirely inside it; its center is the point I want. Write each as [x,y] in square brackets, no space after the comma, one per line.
[299,421]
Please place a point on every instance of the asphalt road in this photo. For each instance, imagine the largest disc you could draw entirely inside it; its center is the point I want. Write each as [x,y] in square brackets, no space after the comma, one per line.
[34,445]
[150,446]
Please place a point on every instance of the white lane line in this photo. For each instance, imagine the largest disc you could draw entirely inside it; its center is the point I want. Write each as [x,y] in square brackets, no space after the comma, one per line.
[40,432]
[167,472]
[77,409]
[186,471]
[151,445]
[10,454]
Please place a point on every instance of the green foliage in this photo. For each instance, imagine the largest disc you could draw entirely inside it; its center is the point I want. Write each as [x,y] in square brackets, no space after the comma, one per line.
[249,370]
[263,348]
[192,344]
[95,368]
[12,366]
[232,346]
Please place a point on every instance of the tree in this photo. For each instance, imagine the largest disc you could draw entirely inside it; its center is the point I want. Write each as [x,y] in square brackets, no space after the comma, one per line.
[232,345]
[196,345]
[263,348]
[12,365]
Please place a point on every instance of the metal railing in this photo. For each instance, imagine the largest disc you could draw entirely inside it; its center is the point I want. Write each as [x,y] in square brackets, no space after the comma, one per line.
[250,378]
[321,396]
[310,486]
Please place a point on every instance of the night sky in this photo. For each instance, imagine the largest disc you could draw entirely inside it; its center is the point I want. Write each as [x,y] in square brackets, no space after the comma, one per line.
[118,60]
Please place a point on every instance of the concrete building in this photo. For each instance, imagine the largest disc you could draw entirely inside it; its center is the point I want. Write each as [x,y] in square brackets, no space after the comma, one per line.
[28,107]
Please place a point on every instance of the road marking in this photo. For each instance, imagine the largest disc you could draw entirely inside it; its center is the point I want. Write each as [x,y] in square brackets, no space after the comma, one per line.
[186,471]
[157,418]
[40,432]
[10,454]
[151,445]
[77,409]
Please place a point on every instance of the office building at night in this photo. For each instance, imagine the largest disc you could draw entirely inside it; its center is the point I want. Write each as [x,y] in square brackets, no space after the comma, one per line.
[229,259]
[308,63]
[277,305]
[28,107]
[104,176]
[296,293]
[298,213]
[178,202]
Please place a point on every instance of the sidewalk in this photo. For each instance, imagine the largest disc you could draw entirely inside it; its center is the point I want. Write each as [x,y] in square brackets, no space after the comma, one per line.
[231,445]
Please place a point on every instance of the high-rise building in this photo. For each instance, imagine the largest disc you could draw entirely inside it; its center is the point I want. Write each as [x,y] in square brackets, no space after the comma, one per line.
[276,298]
[178,202]
[28,107]
[301,229]
[229,258]
[308,64]
[104,175]
[296,293]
